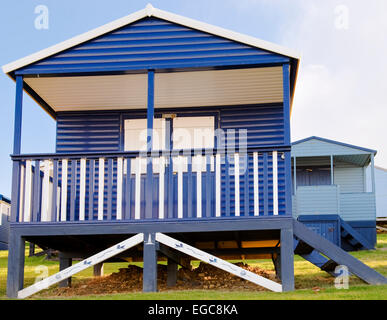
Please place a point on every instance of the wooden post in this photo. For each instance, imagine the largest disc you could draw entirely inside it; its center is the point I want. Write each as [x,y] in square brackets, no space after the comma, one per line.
[16,256]
[149,169]
[172,268]
[98,270]
[373,172]
[16,246]
[64,263]
[287,260]
[150,263]
[295,175]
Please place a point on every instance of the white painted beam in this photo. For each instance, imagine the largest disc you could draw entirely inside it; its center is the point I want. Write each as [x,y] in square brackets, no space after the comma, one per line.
[217,185]
[237,189]
[256,184]
[275,183]
[101,186]
[82,189]
[119,188]
[63,204]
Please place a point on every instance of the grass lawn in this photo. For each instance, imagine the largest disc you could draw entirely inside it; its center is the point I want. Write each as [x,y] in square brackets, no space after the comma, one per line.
[310,282]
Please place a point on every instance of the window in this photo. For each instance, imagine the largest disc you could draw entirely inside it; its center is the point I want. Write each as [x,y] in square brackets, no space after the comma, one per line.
[135,137]
[193,132]
[188,133]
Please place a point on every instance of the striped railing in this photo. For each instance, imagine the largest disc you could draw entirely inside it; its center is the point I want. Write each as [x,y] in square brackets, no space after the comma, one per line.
[155,185]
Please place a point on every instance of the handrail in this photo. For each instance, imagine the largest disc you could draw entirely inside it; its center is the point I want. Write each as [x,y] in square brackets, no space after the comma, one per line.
[153,153]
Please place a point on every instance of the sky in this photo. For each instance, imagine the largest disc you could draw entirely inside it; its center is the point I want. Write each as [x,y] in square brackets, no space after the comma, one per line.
[341,87]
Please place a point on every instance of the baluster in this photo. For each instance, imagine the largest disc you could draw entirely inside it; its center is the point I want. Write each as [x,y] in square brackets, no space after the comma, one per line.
[36,192]
[91,188]
[161,187]
[73,189]
[149,188]
[28,192]
[275,182]
[21,192]
[137,201]
[110,189]
[54,195]
[180,187]
[189,187]
[63,208]
[169,182]
[198,186]
[237,189]
[246,184]
[208,186]
[128,187]
[82,189]
[45,191]
[101,187]
[227,185]
[119,188]
[256,185]
[265,186]
[218,185]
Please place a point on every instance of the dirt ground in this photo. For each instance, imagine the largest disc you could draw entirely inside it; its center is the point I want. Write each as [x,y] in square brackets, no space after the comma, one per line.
[129,279]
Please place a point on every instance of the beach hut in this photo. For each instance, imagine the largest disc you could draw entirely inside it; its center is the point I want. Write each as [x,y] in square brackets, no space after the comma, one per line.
[5,212]
[330,192]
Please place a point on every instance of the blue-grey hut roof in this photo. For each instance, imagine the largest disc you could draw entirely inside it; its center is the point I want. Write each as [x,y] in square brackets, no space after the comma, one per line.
[321,147]
[5,199]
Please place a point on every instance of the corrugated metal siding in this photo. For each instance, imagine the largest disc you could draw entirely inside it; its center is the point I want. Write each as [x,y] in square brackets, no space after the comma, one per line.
[152,43]
[349,179]
[88,132]
[264,124]
[358,206]
[4,225]
[317,200]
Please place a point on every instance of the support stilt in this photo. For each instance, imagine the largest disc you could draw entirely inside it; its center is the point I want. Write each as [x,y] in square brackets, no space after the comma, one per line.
[16,256]
[150,263]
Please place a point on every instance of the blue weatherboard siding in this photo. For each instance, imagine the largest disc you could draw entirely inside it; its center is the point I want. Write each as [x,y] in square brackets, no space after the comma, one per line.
[152,43]
[88,132]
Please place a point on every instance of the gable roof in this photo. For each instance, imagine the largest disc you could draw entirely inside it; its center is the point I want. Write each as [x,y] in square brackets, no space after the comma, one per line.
[334,142]
[149,11]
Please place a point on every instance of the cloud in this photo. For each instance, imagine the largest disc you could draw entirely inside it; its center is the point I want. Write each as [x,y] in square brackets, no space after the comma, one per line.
[341,88]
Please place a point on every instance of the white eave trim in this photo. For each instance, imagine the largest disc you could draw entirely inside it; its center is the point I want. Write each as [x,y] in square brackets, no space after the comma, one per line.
[149,11]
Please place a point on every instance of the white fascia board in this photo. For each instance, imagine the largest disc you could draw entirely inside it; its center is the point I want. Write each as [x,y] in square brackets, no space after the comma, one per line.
[149,11]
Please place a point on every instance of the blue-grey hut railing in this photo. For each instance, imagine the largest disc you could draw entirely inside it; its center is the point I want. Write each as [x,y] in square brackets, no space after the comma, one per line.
[151,185]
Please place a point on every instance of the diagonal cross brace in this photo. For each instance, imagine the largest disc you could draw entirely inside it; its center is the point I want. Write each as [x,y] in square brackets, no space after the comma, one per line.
[91,261]
[219,263]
